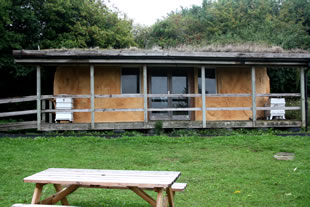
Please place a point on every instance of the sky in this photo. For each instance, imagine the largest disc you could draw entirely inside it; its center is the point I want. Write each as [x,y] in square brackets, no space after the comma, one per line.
[146,12]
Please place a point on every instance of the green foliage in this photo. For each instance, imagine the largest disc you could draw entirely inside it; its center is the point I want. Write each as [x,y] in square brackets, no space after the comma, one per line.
[80,23]
[158,127]
[141,35]
[184,133]
[27,24]
[283,23]
[284,79]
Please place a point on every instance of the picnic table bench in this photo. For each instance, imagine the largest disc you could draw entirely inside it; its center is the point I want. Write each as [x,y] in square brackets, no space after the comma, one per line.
[66,181]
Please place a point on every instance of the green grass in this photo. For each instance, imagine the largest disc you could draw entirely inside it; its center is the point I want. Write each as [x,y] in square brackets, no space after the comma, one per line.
[216,169]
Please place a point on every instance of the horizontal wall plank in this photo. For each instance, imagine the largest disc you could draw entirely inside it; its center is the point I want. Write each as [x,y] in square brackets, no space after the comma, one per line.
[279,95]
[66,126]
[120,96]
[119,110]
[172,95]
[65,110]
[64,96]
[150,96]
[18,125]
[287,108]
[228,108]
[174,109]
[229,95]
[171,124]
[278,123]
[17,113]
[18,99]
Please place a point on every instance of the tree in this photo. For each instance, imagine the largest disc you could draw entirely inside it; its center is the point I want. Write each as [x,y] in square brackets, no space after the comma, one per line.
[141,35]
[29,24]
[284,23]
[81,23]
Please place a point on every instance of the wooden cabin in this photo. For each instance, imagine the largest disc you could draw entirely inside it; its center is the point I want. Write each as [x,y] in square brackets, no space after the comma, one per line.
[134,89]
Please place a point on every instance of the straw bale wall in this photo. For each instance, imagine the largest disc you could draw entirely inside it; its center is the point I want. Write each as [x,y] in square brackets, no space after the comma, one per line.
[235,80]
[76,80]
[107,81]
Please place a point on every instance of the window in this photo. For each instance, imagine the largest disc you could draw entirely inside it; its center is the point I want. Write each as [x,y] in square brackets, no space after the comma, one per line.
[210,81]
[130,80]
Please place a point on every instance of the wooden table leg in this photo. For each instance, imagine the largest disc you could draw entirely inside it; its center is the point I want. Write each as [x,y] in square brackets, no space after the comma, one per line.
[144,195]
[64,201]
[60,195]
[170,195]
[160,198]
[37,193]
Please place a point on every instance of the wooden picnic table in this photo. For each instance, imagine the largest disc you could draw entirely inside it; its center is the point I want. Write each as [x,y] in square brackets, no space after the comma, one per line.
[66,181]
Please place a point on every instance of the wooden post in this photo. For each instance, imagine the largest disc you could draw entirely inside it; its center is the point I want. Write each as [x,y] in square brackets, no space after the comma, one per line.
[38,97]
[160,199]
[303,99]
[43,108]
[92,94]
[145,93]
[170,196]
[50,115]
[37,193]
[203,94]
[58,188]
[253,82]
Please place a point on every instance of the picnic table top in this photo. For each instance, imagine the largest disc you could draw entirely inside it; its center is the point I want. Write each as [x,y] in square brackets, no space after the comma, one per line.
[105,178]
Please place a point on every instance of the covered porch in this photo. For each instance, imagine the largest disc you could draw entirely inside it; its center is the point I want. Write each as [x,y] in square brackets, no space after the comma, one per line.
[174,107]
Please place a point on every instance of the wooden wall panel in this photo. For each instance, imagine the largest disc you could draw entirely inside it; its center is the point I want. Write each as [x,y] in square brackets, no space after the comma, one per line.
[232,80]
[107,81]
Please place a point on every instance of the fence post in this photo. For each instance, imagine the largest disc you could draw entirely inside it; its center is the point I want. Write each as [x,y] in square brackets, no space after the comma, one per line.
[303,99]
[203,94]
[38,97]
[253,82]
[50,115]
[145,93]
[92,93]
[43,108]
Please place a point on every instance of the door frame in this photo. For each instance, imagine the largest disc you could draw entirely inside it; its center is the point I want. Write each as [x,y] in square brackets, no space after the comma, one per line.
[169,72]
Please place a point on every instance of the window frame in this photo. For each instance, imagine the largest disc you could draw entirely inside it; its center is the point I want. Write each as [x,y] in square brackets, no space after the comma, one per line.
[215,76]
[138,82]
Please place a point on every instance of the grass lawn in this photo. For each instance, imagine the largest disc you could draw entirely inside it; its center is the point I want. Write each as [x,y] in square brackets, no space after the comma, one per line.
[236,170]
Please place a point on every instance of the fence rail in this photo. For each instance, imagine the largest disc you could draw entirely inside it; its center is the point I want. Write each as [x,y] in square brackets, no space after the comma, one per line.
[17,113]
[47,97]
[52,97]
[18,99]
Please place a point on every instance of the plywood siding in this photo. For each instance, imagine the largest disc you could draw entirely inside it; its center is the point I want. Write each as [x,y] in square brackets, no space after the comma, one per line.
[107,81]
[232,80]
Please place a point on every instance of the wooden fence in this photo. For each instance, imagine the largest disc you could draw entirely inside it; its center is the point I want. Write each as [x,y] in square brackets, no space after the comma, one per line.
[47,107]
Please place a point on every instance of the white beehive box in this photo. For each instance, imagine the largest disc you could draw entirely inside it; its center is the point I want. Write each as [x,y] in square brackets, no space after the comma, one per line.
[64,103]
[279,103]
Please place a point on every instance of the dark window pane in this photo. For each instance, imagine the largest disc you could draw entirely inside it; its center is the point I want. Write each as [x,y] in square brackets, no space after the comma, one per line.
[130,80]
[159,85]
[179,84]
[210,81]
